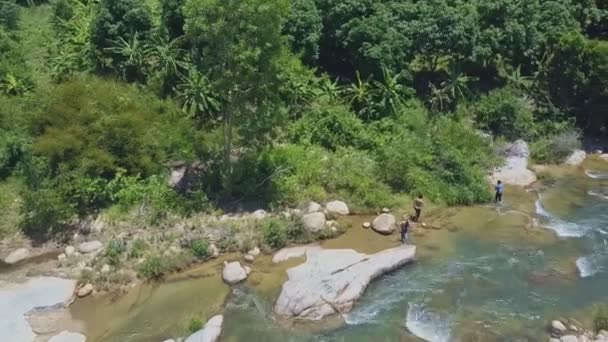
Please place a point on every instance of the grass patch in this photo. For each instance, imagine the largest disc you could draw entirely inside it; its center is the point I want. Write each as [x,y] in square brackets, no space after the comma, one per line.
[10,204]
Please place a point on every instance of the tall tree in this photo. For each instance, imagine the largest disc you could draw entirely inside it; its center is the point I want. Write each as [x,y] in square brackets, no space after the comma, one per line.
[238,45]
[116,21]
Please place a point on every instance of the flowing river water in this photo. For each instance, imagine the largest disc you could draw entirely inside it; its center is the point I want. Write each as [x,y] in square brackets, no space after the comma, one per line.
[483,273]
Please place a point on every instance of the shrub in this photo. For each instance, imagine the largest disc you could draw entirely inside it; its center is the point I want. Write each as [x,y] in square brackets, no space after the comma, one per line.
[153,267]
[553,149]
[330,126]
[44,211]
[600,321]
[445,160]
[505,112]
[138,247]
[195,324]
[273,232]
[9,14]
[114,250]
[200,248]
[296,174]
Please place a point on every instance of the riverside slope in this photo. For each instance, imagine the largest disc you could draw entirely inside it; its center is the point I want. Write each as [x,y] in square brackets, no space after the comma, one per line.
[331,280]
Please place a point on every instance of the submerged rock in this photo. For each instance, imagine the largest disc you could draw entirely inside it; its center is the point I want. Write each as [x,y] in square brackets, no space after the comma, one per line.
[384,223]
[367,225]
[330,281]
[337,208]
[210,333]
[90,247]
[234,272]
[314,222]
[66,336]
[17,255]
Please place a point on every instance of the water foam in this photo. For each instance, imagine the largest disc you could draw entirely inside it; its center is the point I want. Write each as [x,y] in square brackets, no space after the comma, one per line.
[427,325]
[597,194]
[561,227]
[586,267]
[596,174]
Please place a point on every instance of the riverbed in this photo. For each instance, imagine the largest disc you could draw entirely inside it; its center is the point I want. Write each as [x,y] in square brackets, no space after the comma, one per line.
[483,273]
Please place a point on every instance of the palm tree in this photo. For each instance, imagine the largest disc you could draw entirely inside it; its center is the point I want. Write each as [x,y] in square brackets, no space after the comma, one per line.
[358,95]
[390,93]
[197,95]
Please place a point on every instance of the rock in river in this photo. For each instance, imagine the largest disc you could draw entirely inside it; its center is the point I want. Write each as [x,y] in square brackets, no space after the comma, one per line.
[85,290]
[66,336]
[210,333]
[90,247]
[331,280]
[17,255]
[314,222]
[337,208]
[234,272]
[384,223]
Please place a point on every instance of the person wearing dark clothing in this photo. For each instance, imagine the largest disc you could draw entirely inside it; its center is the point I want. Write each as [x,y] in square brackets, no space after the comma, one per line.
[406,226]
[418,204]
[500,188]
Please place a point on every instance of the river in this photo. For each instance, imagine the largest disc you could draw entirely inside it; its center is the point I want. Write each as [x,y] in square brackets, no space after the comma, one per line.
[490,273]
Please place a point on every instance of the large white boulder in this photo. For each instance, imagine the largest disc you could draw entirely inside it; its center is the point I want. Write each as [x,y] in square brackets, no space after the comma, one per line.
[576,158]
[515,171]
[259,214]
[314,222]
[330,281]
[384,223]
[234,272]
[313,207]
[66,336]
[17,255]
[210,332]
[337,208]
[90,247]
[17,299]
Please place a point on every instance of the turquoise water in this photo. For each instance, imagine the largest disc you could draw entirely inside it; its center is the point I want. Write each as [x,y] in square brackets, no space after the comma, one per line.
[488,288]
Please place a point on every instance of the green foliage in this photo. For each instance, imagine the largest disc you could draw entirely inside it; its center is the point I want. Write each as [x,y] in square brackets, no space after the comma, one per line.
[303,29]
[154,267]
[274,232]
[119,20]
[446,160]
[600,320]
[114,251]
[576,78]
[137,248]
[505,112]
[200,248]
[172,17]
[555,148]
[44,211]
[194,324]
[330,126]
[10,205]
[297,173]
[116,132]
[9,14]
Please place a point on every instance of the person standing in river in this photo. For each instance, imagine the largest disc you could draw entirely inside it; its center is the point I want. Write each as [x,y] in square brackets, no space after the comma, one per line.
[406,226]
[418,204]
[500,188]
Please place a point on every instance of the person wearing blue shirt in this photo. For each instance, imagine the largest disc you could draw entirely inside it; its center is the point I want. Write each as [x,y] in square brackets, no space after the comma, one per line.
[500,188]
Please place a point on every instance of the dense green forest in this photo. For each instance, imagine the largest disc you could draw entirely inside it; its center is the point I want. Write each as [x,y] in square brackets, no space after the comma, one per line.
[285,101]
